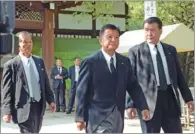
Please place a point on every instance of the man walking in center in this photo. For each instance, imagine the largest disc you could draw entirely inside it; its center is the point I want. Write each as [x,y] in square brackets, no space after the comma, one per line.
[104,79]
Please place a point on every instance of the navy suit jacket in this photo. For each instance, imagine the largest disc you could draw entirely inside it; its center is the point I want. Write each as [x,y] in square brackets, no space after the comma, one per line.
[95,93]
[15,93]
[64,74]
[72,75]
[143,69]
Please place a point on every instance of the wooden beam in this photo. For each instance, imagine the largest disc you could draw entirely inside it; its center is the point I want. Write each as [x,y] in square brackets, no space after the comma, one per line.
[71,12]
[28,24]
[48,40]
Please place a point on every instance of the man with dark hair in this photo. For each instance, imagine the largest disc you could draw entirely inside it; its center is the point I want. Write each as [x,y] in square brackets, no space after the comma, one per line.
[25,88]
[104,78]
[156,67]
[59,74]
[74,76]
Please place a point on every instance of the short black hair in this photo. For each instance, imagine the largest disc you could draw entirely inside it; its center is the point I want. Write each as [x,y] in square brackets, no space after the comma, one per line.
[58,59]
[156,20]
[108,26]
[76,58]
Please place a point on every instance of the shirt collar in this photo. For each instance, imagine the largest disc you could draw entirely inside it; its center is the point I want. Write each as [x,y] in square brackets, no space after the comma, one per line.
[152,46]
[24,58]
[108,57]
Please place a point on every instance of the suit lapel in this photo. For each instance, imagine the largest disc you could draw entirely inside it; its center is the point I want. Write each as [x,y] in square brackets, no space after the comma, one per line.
[147,58]
[120,74]
[39,69]
[21,72]
[104,63]
[167,53]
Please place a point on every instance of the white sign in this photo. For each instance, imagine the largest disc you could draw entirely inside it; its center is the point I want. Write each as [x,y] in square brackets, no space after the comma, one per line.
[149,8]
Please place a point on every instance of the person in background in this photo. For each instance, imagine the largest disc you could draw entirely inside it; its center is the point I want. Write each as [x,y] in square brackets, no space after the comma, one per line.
[25,88]
[59,74]
[74,76]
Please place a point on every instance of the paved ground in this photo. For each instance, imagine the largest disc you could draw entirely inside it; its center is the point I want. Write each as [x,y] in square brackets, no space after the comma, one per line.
[62,123]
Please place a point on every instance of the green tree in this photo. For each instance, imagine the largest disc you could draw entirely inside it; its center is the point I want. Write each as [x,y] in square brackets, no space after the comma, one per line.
[170,12]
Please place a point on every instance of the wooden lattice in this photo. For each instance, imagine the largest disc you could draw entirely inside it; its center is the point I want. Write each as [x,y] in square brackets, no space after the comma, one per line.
[25,12]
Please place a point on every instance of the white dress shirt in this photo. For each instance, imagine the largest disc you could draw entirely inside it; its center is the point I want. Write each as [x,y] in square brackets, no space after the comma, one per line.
[108,57]
[27,71]
[153,53]
[76,73]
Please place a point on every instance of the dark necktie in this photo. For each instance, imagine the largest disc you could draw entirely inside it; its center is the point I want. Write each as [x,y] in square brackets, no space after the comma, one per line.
[59,70]
[161,72]
[112,68]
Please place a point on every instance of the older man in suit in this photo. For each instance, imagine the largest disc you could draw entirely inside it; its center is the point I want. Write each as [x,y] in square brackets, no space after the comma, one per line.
[156,67]
[59,74]
[25,88]
[74,76]
[104,78]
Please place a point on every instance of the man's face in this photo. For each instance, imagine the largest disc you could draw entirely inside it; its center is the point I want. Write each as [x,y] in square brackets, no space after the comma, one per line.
[109,40]
[58,63]
[77,62]
[152,33]
[25,44]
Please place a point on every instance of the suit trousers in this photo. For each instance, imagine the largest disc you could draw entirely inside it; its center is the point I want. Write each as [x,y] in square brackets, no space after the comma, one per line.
[34,122]
[114,123]
[60,96]
[166,114]
[72,97]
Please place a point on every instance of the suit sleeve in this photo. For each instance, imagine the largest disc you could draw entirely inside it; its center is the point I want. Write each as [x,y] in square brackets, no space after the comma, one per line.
[69,73]
[48,92]
[131,56]
[65,76]
[52,75]
[7,90]
[82,92]
[182,84]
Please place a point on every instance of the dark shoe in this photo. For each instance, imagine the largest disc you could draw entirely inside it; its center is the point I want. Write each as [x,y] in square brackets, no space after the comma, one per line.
[63,110]
[57,110]
[68,112]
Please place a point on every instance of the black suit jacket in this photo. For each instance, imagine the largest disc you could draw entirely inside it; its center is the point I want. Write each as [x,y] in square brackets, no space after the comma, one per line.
[96,95]
[143,69]
[63,73]
[15,92]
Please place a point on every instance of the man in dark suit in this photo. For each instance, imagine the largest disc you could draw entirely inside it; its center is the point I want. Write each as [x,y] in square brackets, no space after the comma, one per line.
[59,74]
[25,88]
[157,70]
[104,78]
[74,76]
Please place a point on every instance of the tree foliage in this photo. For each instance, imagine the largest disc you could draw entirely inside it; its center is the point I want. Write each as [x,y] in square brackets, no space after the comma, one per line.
[170,12]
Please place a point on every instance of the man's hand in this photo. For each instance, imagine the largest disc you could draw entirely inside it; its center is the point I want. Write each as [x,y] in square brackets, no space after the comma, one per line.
[81,126]
[146,115]
[190,106]
[59,77]
[7,118]
[52,107]
[131,113]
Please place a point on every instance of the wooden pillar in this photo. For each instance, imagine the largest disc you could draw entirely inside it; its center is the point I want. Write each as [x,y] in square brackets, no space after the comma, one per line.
[48,40]
[93,34]
[126,17]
